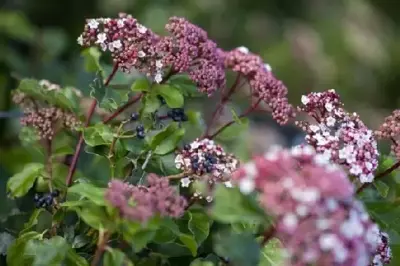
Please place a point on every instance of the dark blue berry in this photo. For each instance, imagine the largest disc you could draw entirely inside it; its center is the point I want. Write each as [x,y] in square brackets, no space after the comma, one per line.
[36,198]
[139,128]
[194,158]
[177,118]
[213,160]
[209,168]
[134,116]
[186,147]
[195,166]
[55,193]
[49,200]
[141,134]
[206,164]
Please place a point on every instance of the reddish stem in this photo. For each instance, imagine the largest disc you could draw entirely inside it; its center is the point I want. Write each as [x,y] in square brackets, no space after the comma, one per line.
[224,99]
[100,248]
[247,112]
[384,173]
[92,108]
[268,234]
[131,101]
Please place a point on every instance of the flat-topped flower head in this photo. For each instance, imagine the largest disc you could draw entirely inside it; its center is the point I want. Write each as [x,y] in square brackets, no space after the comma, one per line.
[293,181]
[340,135]
[140,203]
[390,129]
[262,82]
[383,253]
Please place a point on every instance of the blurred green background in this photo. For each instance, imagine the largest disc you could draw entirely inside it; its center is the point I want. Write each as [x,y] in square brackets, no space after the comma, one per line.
[352,46]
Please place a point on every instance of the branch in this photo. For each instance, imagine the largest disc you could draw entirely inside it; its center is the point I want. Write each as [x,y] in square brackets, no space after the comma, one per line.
[268,234]
[131,101]
[384,173]
[78,148]
[101,244]
[247,112]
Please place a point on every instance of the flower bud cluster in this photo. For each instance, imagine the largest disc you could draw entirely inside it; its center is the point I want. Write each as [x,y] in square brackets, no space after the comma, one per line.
[205,160]
[339,135]
[383,254]
[390,129]
[318,220]
[140,203]
[262,82]
[189,49]
[131,44]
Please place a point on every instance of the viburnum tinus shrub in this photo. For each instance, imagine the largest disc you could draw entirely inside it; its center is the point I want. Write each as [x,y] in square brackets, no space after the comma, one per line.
[140,177]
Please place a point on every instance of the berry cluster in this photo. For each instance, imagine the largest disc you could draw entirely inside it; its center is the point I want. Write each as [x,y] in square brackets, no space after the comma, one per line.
[340,136]
[203,159]
[177,115]
[262,82]
[390,129]
[317,218]
[140,131]
[140,203]
[45,200]
[383,254]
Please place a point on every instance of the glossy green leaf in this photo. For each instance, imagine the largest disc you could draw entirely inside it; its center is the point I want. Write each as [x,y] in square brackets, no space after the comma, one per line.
[98,134]
[150,103]
[115,257]
[48,251]
[33,220]
[185,85]
[141,84]
[20,183]
[382,188]
[73,259]
[189,242]
[91,57]
[172,96]
[272,254]
[17,249]
[113,99]
[231,206]
[199,225]
[89,191]
[94,216]
[169,144]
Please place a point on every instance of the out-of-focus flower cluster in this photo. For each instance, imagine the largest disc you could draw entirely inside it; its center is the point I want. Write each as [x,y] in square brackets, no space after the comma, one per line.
[390,129]
[140,203]
[339,135]
[205,160]
[45,119]
[132,45]
[262,82]
[383,254]
[318,220]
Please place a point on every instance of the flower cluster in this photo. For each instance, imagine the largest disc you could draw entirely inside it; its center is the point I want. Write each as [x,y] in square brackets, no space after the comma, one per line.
[203,159]
[318,220]
[131,44]
[140,203]
[340,136]
[189,49]
[383,254]
[262,82]
[49,86]
[390,129]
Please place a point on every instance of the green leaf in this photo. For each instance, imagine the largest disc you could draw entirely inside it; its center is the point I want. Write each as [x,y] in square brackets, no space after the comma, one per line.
[47,252]
[172,96]
[234,130]
[19,184]
[142,238]
[74,259]
[15,25]
[91,57]
[115,257]
[33,220]
[98,134]
[166,140]
[94,194]
[167,233]
[189,242]
[95,216]
[382,188]
[272,254]
[199,224]
[113,99]
[201,262]
[150,103]
[185,85]
[141,84]
[240,249]
[17,249]
[97,88]
[231,206]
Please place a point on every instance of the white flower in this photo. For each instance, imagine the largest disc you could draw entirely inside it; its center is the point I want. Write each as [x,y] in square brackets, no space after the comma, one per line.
[121,23]
[209,198]
[117,44]
[101,38]
[142,29]
[330,121]
[243,49]
[314,128]
[305,100]
[141,54]
[93,24]
[158,78]
[327,241]
[185,182]
[80,40]
[103,46]
[247,185]
[228,184]
[268,67]
[329,107]
[159,64]
[250,169]
[290,221]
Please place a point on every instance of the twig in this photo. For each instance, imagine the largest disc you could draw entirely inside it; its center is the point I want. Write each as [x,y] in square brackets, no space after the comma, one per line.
[177,176]
[224,99]
[383,174]
[268,234]
[131,101]
[78,148]
[101,245]
[49,167]
[247,112]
